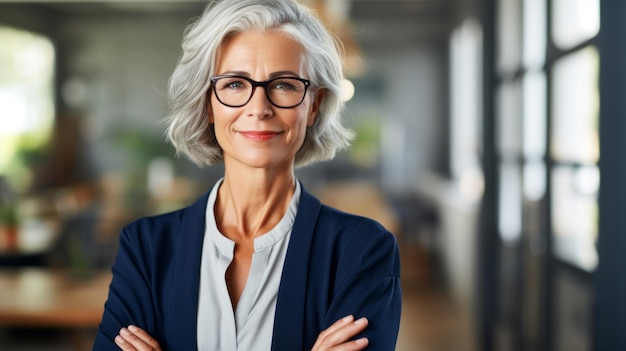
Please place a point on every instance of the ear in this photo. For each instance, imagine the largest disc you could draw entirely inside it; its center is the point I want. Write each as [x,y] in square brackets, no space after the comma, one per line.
[315,107]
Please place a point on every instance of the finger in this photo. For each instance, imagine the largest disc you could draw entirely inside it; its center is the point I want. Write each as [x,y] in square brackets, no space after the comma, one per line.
[342,335]
[132,342]
[145,337]
[348,331]
[339,324]
[124,344]
[354,345]
[334,327]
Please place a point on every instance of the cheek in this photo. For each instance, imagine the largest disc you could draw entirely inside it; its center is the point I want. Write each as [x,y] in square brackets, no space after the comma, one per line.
[217,113]
[301,119]
[303,125]
[311,111]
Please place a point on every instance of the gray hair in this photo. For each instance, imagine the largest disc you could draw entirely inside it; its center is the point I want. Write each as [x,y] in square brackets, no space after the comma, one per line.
[188,127]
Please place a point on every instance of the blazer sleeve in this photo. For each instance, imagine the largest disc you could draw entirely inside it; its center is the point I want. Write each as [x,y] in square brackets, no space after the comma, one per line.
[368,285]
[130,300]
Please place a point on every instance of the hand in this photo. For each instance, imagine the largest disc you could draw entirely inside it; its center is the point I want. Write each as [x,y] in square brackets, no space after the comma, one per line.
[337,336]
[136,339]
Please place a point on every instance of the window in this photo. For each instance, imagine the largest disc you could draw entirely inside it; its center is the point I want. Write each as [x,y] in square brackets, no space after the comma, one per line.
[466,109]
[575,147]
[574,21]
[545,172]
[26,100]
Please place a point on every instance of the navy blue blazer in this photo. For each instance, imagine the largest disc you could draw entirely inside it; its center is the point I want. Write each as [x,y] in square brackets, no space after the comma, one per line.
[337,264]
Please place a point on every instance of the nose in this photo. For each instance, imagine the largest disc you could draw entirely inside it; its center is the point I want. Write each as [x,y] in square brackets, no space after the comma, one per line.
[259,105]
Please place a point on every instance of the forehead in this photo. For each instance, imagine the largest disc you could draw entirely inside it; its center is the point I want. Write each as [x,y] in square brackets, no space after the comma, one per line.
[267,50]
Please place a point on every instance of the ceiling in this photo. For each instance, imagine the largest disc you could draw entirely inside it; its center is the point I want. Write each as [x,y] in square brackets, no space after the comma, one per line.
[375,22]
[401,21]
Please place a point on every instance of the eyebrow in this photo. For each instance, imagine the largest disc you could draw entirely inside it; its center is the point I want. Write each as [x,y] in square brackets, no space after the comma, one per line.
[272,75]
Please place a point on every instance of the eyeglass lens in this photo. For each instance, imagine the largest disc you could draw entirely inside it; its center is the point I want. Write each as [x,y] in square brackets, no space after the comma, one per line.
[282,92]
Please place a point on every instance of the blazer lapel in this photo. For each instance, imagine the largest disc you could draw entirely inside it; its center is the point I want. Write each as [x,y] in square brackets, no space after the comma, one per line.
[184,298]
[290,305]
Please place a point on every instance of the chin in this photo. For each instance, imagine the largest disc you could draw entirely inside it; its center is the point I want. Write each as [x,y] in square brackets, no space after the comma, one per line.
[268,162]
[258,161]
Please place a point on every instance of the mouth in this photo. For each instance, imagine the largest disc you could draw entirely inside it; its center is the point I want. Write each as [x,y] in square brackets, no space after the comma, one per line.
[259,135]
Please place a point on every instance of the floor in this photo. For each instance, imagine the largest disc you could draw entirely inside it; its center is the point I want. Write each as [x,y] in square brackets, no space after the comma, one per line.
[431,321]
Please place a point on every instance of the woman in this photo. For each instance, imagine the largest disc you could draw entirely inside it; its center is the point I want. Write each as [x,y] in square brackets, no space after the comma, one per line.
[257,263]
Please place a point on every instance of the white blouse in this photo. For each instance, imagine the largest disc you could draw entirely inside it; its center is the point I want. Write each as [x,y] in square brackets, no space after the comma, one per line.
[251,326]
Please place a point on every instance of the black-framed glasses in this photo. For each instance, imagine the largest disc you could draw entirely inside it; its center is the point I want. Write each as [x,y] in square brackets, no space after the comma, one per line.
[283,92]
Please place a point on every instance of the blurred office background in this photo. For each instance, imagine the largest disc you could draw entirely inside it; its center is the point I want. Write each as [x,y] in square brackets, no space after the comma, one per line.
[489,140]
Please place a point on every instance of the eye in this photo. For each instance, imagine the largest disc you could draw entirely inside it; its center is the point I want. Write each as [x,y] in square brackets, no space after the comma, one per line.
[231,84]
[284,84]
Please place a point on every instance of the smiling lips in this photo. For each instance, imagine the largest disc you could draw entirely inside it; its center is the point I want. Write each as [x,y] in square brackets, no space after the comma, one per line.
[258,135]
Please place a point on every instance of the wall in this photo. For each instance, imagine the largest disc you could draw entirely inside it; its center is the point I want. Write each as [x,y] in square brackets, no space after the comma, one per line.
[115,71]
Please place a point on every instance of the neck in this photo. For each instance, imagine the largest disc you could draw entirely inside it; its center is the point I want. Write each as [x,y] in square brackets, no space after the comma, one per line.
[249,205]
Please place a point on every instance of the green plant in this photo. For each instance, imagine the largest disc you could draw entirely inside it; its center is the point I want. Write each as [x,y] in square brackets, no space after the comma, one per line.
[8,212]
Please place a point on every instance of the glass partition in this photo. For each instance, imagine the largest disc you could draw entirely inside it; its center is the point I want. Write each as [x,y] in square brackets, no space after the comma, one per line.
[574,21]
[575,107]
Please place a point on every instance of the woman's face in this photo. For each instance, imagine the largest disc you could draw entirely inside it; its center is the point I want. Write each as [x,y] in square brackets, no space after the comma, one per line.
[259,134]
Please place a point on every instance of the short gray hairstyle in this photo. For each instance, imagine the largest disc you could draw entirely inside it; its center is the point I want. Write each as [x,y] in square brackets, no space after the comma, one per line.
[188,127]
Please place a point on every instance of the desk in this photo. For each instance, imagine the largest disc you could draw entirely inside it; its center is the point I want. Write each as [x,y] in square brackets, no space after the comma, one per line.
[39,297]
